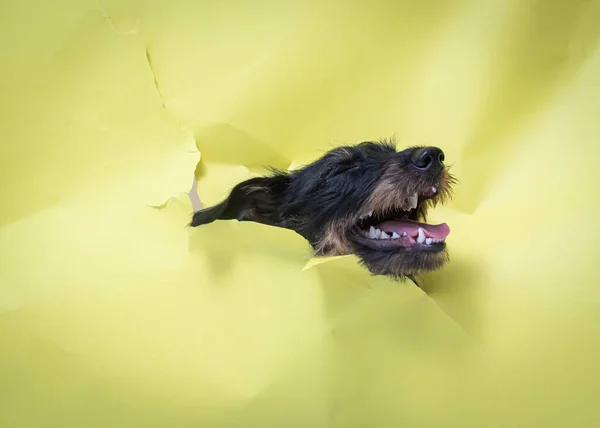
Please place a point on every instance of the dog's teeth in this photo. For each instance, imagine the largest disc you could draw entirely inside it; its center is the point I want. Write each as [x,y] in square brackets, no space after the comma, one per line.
[372,233]
[404,234]
[375,233]
[428,241]
[413,201]
[370,214]
[395,235]
[384,235]
[421,236]
[434,190]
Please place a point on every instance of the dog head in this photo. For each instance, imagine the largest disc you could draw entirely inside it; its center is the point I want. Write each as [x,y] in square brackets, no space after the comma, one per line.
[369,200]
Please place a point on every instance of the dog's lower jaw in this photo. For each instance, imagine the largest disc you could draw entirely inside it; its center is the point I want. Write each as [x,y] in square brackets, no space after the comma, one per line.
[398,264]
[402,263]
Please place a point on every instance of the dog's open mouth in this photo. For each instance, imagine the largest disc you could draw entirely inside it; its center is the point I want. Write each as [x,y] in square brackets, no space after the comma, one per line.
[399,228]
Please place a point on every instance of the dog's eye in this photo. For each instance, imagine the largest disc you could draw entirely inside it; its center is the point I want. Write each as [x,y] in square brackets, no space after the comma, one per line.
[347,167]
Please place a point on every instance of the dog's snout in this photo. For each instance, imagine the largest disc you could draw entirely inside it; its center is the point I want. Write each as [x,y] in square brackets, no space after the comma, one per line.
[428,158]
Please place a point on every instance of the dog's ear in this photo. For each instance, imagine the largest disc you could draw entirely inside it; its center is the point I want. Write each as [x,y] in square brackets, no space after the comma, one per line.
[252,200]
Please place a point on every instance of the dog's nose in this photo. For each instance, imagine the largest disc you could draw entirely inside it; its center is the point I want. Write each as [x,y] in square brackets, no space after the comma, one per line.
[427,158]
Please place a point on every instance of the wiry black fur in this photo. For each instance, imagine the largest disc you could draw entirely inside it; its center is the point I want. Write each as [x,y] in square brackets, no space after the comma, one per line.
[306,200]
[333,188]
[253,200]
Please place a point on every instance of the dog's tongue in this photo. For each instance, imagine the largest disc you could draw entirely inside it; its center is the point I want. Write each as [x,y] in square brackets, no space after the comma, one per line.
[437,231]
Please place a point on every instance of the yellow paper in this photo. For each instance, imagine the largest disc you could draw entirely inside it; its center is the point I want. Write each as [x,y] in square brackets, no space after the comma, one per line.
[114,314]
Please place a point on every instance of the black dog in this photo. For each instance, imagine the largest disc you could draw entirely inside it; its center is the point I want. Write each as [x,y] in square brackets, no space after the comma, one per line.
[364,200]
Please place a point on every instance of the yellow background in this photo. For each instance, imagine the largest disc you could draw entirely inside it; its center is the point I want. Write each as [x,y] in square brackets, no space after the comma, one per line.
[114,314]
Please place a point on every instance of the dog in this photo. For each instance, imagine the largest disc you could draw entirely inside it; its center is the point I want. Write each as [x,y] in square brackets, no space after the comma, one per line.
[369,199]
